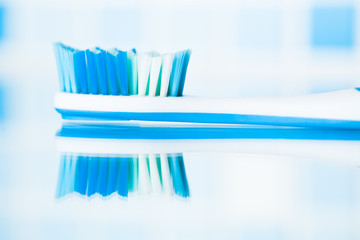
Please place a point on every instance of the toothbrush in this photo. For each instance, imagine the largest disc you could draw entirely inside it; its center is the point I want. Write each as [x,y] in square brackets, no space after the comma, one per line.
[109,170]
[120,86]
[136,161]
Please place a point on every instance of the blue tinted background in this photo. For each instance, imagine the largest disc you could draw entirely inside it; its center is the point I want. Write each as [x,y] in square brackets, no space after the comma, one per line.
[333,27]
[2,21]
[2,102]
[243,48]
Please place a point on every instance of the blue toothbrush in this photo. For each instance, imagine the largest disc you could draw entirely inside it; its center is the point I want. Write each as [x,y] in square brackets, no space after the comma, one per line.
[120,86]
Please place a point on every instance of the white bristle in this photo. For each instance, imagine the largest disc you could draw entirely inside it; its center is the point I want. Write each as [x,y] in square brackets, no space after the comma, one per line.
[154,174]
[132,72]
[154,75]
[144,66]
[144,177]
[165,174]
[166,72]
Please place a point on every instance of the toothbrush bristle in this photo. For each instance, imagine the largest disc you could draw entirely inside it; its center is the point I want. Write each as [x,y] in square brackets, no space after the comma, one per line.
[122,174]
[115,72]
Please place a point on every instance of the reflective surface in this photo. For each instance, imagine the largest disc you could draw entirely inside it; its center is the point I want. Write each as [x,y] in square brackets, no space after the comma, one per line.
[239,188]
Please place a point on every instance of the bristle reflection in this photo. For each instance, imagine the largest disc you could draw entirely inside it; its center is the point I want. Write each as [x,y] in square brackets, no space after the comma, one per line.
[122,174]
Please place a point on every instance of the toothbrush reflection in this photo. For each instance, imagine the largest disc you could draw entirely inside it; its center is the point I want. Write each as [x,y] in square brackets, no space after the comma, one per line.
[122,174]
[130,159]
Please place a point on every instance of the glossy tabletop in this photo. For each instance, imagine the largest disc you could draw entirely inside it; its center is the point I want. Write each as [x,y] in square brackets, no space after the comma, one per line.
[136,181]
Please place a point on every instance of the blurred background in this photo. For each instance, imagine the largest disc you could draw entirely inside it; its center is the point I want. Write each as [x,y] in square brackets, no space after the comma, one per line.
[240,48]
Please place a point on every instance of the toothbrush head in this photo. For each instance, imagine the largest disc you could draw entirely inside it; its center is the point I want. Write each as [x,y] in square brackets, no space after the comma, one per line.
[115,72]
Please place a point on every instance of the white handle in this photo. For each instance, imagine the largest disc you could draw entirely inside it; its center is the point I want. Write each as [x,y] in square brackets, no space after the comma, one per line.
[343,105]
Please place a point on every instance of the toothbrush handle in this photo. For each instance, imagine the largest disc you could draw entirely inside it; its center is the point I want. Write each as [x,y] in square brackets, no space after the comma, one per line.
[339,105]
[338,109]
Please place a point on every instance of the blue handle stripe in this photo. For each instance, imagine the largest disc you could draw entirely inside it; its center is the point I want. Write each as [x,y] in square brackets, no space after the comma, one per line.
[220,118]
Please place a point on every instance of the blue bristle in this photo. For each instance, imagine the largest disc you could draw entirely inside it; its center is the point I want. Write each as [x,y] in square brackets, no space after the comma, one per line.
[131,175]
[113,174]
[177,171]
[175,74]
[158,162]
[70,172]
[80,71]
[65,188]
[132,72]
[148,163]
[91,71]
[65,75]
[111,71]
[103,176]
[100,59]
[182,176]
[158,88]
[74,85]
[123,177]
[67,83]
[61,181]
[81,175]
[171,160]
[121,67]
[102,72]
[59,64]
[94,164]
[183,72]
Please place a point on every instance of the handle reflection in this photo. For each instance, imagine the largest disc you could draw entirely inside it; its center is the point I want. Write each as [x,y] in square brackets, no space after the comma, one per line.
[122,174]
